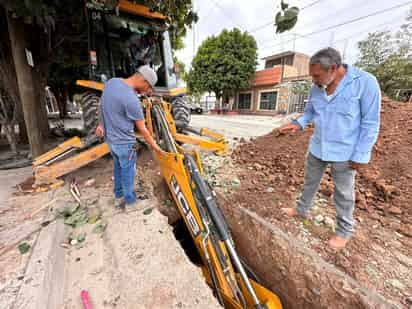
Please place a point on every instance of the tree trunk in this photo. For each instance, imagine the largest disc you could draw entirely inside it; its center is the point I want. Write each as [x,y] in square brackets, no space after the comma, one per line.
[25,85]
[40,49]
[218,103]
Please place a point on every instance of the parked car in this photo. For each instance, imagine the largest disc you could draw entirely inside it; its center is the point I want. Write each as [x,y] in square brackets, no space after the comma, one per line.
[196,108]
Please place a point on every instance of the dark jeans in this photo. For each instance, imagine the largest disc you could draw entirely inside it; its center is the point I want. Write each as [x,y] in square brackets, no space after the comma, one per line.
[124,159]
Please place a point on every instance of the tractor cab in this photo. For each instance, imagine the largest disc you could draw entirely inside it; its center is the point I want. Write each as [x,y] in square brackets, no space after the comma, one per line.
[125,36]
[122,36]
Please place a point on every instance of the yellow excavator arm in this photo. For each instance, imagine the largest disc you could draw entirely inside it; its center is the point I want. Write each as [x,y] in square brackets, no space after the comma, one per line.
[195,200]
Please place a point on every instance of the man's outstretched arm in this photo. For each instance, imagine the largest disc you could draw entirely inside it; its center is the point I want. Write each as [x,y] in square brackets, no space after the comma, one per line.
[141,127]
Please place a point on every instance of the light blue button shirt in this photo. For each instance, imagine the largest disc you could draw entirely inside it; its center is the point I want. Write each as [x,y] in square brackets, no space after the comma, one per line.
[347,124]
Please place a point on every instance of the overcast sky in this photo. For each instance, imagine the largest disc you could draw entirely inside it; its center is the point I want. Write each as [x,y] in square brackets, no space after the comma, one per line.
[216,15]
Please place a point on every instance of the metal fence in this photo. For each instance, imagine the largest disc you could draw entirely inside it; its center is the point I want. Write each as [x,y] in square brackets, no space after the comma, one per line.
[296,103]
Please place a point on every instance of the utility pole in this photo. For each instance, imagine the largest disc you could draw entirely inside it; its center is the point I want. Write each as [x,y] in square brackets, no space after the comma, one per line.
[281,41]
[294,41]
[194,30]
[331,38]
[345,45]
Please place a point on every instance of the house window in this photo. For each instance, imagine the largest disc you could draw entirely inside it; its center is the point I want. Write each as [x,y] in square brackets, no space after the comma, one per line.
[244,101]
[268,100]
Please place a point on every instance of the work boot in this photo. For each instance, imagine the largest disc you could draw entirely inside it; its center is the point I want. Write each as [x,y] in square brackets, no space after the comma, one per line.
[119,203]
[337,242]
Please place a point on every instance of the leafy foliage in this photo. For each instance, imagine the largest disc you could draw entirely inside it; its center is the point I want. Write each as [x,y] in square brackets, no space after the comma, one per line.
[224,63]
[66,30]
[286,18]
[404,36]
[180,68]
[374,50]
[40,12]
[389,57]
[302,87]
[180,16]
[46,13]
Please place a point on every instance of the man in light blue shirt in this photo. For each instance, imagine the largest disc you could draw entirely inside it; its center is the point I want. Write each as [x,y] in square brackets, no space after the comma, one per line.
[344,105]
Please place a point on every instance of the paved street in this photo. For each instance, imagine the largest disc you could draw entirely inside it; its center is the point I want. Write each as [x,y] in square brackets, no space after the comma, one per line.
[239,125]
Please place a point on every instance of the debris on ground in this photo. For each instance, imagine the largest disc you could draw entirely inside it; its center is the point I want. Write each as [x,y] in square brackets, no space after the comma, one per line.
[90,182]
[147,211]
[100,227]
[383,196]
[24,247]
[75,215]
[110,267]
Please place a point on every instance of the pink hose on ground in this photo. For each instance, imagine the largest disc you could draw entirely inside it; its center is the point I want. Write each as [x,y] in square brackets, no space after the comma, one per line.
[85,299]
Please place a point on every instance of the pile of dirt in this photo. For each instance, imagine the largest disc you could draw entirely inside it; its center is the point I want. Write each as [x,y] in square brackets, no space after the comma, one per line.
[271,171]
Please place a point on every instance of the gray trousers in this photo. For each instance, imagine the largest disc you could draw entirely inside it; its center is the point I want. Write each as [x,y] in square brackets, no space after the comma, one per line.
[344,194]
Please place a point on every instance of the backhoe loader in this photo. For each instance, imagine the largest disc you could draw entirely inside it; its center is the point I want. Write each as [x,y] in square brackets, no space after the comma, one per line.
[181,168]
[195,200]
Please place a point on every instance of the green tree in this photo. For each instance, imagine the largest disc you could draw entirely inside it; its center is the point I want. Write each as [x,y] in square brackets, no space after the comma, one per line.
[53,31]
[375,50]
[224,64]
[404,36]
[180,16]
[394,74]
[388,57]
[180,68]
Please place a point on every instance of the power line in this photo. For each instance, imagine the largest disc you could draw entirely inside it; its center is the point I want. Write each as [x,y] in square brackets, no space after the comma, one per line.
[347,22]
[345,9]
[375,27]
[271,22]
[227,15]
[310,4]
[311,23]
[369,28]
[330,16]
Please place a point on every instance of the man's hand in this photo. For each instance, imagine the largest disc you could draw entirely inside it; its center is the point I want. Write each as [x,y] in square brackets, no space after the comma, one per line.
[99,131]
[290,127]
[157,149]
[140,124]
[357,166]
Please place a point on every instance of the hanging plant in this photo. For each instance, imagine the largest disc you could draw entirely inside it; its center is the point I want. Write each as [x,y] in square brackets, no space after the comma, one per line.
[286,18]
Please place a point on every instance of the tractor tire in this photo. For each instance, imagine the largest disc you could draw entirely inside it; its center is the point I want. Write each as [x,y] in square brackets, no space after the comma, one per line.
[181,113]
[90,106]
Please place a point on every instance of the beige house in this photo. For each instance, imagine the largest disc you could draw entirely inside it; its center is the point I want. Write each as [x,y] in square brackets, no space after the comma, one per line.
[271,88]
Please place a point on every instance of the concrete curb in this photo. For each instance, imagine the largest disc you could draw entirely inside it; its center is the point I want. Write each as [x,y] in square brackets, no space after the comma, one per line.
[43,286]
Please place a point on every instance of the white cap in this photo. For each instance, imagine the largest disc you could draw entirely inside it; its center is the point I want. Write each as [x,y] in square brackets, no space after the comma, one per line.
[148,74]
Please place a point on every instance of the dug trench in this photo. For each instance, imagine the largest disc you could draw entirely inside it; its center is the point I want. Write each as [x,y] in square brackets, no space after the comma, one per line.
[298,275]
[286,256]
[292,256]
[289,256]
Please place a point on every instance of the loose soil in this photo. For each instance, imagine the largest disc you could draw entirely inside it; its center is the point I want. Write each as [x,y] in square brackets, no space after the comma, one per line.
[271,170]
[135,263]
